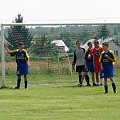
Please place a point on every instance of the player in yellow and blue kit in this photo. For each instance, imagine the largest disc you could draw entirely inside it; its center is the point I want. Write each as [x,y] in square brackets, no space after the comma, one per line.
[22,59]
[107,58]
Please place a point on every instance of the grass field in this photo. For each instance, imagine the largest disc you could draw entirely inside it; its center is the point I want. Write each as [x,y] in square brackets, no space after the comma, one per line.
[59,99]
[59,102]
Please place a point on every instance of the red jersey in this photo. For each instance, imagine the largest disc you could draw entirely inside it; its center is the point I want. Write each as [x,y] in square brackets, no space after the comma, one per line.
[96,53]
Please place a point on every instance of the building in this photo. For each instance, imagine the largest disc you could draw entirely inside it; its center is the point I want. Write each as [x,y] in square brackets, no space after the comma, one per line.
[113,45]
[85,46]
[62,48]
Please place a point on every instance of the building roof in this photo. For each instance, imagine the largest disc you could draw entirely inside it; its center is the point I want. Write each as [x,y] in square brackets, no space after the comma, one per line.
[60,43]
[85,46]
[100,41]
[108,39]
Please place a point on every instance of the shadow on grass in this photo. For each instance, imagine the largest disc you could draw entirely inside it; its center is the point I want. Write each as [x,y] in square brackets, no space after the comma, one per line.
[76,86]
[6,87]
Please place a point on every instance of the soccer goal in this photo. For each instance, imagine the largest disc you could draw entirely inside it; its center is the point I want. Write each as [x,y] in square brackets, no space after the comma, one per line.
[49,62]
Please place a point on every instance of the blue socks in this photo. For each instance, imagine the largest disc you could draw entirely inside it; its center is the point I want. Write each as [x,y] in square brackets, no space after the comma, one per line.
[18,82]
[114,87]
[106,88]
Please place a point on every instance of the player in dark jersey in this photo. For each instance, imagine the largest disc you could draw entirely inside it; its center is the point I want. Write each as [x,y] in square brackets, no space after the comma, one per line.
[89,62]
[22,59]
[79,60]
[107,58]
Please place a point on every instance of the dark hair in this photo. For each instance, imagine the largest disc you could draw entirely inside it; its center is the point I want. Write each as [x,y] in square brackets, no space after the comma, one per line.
[96,41]
[20,43]
[89,43]
[105,44]
[78,41]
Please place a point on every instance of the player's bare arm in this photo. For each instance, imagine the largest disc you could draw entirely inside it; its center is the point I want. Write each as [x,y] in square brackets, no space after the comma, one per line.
[6,48]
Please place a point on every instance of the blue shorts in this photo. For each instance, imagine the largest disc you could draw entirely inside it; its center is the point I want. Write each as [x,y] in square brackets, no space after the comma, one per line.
[22,69]
[108,71]
[90,67]
[101,74]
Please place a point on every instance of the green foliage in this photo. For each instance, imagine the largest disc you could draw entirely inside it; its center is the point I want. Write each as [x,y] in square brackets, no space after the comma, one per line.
[103,32]
[69,41]
[16,34]
[8,58]
[68,33]
[116,29]
[42,47]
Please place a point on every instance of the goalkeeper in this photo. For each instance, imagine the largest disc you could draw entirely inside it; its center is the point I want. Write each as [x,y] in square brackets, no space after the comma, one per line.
[22,60]
[80,63]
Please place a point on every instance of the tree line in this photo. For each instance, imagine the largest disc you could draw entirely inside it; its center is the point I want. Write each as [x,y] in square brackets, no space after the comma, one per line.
[38,39]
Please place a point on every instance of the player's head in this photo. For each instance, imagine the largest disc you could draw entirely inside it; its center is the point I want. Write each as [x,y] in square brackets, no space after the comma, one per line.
[96,43]
[105,46]
[20,45]
[78,43]
[90,44]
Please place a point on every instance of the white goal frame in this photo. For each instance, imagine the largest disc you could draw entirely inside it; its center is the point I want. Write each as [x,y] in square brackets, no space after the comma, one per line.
[35,24]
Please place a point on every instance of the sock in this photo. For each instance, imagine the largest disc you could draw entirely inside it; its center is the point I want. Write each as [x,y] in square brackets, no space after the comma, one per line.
[87,79]
[94,83]
[101,81]
[80,79]
[97,82]
[26,84]
[114,87]
[18,82]
[106,87]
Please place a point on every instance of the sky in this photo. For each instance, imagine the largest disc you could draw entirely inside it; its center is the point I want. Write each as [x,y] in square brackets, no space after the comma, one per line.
[60,10]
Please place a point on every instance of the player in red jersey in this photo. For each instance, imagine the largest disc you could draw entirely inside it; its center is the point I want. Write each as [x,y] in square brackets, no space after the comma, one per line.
[96,51]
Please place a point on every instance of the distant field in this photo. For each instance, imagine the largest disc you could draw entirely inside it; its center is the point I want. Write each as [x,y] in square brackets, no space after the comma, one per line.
[42,72]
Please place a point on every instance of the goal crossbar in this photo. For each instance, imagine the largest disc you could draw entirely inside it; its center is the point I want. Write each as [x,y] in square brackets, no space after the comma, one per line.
[60,23]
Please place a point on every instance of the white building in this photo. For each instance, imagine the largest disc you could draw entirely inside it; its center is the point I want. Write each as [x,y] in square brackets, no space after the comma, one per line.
[61,46]
[85,46]
[113,45]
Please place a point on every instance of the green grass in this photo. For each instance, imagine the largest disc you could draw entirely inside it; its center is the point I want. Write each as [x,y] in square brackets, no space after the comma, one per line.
[60,100]
[59,103]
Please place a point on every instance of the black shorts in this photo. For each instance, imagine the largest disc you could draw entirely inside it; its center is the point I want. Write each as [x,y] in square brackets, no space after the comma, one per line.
[80,68]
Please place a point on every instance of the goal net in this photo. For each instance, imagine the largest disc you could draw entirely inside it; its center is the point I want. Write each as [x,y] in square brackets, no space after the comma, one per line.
[49,60]
[48,49]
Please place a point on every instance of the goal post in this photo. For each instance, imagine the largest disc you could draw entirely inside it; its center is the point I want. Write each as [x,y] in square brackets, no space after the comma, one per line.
[2,56]
[47,67]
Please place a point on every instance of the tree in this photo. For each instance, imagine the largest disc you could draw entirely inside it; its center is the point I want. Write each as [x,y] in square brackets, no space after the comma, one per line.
[42,47]
[103,32]
[17,34]
[69,41]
